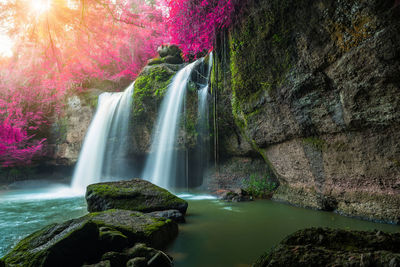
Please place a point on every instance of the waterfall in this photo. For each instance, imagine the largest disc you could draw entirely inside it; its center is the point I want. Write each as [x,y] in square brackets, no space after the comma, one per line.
[203,93]
[203,139]
[160,167]
[106,137]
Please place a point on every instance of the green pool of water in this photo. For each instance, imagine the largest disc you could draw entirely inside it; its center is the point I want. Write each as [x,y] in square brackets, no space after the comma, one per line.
[222,234]
[216,233]
[24,211]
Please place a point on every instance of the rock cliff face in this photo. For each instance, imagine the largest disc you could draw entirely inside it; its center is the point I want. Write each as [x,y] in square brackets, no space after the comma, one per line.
[313,87]
[68,132]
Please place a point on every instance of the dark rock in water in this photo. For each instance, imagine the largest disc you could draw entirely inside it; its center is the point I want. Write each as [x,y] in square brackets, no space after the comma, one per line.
[333,247]
[160,259]
[137,262]
[137,256]
[85,239]
[99,264]
[66,244]
[135,194]
[115,258]
[110,237]
[140,250]
[174,215]
[238,195]
[137,226]
[327,203]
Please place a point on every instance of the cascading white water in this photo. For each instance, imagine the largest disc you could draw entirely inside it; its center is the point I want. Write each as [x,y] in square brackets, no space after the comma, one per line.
[161,164]
[203,139]
[110,119]
[202,95]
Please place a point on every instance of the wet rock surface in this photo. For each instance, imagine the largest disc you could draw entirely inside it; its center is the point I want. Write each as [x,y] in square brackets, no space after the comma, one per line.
[238,195]
[174,215]
[330,247]
[311,87]
[135,194]
[97,237]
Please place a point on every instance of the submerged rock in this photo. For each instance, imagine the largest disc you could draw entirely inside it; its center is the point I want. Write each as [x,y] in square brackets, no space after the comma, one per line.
[333,247]
[86,239]
[174,215]
[238,195]
[135,194]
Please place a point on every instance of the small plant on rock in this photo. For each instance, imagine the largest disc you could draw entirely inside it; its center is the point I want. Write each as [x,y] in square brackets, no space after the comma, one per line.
[259,187]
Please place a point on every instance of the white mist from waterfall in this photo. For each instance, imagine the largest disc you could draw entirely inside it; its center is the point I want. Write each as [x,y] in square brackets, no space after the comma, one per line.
[161,165]
[111,120]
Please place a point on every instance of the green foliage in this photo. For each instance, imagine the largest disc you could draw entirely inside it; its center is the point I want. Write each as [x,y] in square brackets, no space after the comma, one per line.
[259,186]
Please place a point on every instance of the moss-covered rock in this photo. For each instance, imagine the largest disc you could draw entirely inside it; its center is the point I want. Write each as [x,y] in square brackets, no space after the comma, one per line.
[135,194]
[85,239]
[150,88]
[332,247]
[138,256]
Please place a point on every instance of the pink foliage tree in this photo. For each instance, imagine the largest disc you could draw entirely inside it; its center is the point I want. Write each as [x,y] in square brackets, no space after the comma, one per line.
[69,44]
[193,23]
[61,49]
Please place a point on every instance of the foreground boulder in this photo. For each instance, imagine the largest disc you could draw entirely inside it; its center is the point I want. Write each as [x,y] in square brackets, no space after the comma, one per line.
[332,247]
[135,194]
[94,238]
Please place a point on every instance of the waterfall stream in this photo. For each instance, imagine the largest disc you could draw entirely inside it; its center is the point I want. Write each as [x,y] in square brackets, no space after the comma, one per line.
[105,138]
[160,166]
[203,128]
[103,153]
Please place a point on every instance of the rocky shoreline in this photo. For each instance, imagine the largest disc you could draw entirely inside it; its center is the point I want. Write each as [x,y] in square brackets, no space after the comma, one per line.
[334,247]
[116,234]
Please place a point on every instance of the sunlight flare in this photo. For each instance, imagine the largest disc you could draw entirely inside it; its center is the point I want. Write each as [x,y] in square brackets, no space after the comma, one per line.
[40,6]
[6,45]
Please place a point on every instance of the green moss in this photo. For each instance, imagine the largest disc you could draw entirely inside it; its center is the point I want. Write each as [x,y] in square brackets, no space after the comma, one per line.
[259,55]
[315,142]
[150,87]
[156,61]
[156,226]
[133,195]
[276,38]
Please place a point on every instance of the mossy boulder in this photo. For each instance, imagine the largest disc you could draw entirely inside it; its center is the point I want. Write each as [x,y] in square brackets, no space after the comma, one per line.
[334,247]
[150,88]
[135,194]
[86,239]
